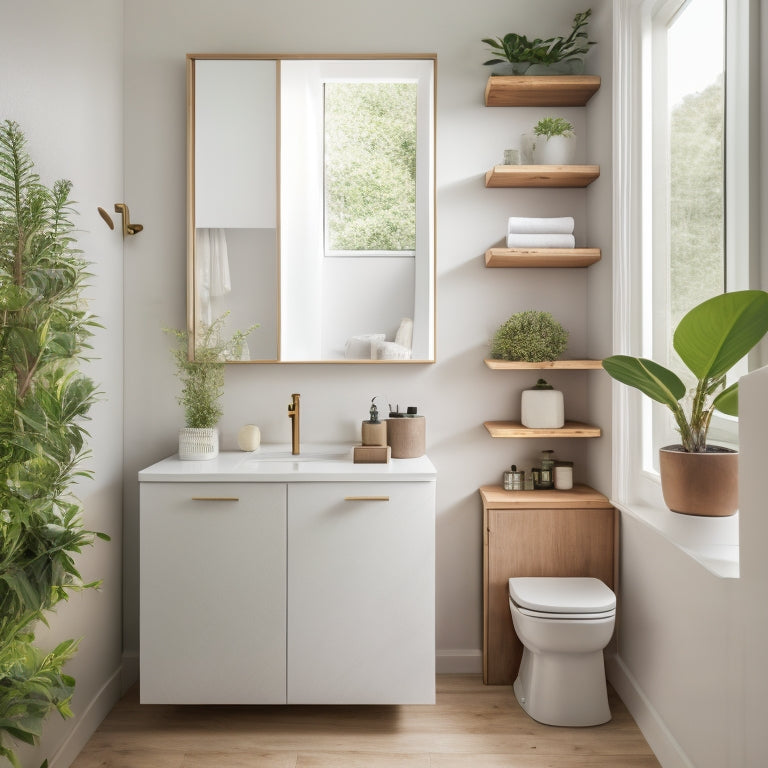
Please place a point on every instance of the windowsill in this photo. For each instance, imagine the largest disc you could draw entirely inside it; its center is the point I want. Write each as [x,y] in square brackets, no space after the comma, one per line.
[713,542]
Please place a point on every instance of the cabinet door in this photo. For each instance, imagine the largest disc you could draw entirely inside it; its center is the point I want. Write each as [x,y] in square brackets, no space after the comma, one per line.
[361,593]
[213,594]
[538,542]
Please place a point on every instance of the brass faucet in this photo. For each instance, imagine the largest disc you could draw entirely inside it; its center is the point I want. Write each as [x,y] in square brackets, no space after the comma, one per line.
[293,415]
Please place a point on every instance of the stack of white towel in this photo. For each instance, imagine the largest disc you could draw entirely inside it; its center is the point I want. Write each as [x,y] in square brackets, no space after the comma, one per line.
[528,232]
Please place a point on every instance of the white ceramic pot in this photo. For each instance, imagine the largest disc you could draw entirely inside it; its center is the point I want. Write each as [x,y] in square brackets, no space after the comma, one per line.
[556,150]
[542,409]
[198,444]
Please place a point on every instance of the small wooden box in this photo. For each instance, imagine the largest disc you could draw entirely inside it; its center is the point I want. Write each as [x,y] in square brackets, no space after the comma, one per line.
[372,454]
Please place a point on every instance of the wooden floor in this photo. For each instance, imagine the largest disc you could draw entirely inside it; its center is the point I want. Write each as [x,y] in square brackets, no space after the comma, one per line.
[471,726]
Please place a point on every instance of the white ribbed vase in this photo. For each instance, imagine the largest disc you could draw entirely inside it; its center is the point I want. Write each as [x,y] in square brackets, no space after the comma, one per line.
[198,444]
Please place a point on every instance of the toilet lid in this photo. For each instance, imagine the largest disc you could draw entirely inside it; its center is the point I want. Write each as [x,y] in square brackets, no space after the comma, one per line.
[551,594]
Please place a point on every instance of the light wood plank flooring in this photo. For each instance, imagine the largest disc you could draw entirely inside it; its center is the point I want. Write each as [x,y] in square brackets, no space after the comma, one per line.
[471,726]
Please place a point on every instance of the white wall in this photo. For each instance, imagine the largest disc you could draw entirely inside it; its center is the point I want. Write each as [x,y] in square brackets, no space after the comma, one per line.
[458,392]
[61,67]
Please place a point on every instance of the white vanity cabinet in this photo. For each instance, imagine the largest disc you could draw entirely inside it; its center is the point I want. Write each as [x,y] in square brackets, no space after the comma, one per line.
[361,619]
[287,582]
[213,597]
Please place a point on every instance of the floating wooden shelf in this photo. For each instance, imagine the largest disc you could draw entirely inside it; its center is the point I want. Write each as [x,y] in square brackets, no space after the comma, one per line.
[516,429]
[580,497]
[541,175]
[540,91]
[541,257]
[561,365]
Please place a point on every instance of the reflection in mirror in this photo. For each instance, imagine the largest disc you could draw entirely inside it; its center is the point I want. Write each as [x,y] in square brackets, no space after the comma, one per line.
[312,205]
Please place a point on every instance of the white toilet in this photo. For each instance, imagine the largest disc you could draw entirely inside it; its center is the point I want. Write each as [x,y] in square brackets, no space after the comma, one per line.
[563,624]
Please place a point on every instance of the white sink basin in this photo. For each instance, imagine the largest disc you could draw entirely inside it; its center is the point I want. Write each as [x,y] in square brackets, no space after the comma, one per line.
[270,454]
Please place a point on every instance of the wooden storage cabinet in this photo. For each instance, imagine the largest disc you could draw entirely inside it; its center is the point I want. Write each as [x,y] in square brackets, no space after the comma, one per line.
[537,533]
[361,570]
[213,593]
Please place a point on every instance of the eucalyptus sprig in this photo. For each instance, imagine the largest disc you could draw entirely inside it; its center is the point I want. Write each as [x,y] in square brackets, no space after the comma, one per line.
[202,377]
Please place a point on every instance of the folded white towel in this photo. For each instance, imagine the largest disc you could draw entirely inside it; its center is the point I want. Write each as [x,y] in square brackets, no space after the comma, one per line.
[540,241]
[362,347]
[526,225]
[390,350]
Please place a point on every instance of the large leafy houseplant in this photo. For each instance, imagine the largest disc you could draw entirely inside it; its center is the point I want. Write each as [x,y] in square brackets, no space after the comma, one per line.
[44,399]
[710,340]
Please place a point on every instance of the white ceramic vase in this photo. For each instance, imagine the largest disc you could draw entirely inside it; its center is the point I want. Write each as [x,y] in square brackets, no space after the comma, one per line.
[542,409]
[556,150]
[198,444]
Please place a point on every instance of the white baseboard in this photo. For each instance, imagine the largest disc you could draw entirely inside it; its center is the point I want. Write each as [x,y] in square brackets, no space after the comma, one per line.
[664,745]
[459,662]
[88,721]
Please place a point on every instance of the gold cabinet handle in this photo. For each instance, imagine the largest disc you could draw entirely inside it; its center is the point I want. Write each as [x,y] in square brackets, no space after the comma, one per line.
[215,498]
[366,498]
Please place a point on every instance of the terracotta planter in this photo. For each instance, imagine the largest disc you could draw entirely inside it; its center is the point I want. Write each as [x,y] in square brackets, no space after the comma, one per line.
[704,484]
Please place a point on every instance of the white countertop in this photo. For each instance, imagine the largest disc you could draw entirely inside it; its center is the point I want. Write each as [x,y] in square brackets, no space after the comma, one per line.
[274,463]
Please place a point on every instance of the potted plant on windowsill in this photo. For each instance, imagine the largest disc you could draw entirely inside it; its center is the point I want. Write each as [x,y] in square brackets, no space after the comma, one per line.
[554,56]
[202,380]
[696,478]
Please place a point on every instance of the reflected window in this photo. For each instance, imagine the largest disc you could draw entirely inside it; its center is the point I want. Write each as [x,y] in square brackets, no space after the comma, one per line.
[370,168]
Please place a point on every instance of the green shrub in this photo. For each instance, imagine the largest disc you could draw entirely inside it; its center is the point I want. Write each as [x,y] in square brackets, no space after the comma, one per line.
[44,400]
[530,336]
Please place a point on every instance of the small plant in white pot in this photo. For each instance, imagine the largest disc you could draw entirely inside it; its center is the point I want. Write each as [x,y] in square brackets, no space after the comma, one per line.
[697,478]
[554,143]
[202,380]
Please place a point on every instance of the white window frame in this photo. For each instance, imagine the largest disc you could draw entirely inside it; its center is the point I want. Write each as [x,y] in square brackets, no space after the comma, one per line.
[634,478]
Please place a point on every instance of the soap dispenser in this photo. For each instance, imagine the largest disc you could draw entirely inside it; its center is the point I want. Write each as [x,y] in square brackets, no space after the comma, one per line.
[374,431]
[542,407]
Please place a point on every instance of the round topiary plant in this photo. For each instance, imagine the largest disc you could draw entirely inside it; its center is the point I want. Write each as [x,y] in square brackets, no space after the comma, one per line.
[531,336]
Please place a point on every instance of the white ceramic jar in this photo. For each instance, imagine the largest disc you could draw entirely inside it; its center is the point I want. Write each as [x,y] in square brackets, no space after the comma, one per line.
[542,407]
[249,437]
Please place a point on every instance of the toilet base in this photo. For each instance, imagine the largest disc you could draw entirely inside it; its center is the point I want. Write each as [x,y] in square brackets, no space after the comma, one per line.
[563,688]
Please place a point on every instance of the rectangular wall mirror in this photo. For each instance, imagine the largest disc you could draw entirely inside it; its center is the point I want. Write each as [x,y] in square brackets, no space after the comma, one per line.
[311,205]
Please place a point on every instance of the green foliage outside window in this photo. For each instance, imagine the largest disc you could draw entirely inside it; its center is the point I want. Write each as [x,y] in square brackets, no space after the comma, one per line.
[370,166]
[697,199]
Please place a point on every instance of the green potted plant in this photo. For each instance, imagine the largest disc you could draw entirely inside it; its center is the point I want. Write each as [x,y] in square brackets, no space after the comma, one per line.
[515,54]
[44,400]
[202,379]
[697,478]
[554,142]
[531,336]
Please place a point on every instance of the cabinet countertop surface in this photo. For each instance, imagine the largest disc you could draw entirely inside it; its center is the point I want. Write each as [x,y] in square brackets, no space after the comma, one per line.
[275,464]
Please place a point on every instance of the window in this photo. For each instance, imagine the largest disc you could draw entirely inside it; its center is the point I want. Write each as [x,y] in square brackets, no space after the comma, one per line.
[685,221]
[688,210]
[370,168]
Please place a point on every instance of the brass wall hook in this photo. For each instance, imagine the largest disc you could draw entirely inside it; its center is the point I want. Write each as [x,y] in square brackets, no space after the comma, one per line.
[128,228]
[104,215]
[121,208]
